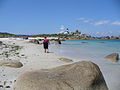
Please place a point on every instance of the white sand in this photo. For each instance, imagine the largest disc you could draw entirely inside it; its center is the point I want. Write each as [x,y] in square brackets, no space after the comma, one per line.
[33,58]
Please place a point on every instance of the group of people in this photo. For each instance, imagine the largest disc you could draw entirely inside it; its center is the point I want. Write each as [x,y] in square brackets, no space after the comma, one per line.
[46,43]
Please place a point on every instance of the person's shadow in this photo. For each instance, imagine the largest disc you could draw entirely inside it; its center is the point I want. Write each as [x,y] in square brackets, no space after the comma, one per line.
[50,52]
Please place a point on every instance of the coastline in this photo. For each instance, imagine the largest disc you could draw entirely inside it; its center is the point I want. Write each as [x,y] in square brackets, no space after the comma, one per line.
[33,58]
[95,51]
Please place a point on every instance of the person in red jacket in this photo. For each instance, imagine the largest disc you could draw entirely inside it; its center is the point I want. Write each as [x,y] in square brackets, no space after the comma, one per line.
[45,44]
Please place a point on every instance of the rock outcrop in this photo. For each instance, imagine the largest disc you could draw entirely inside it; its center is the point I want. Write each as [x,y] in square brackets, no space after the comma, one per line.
[65,60]
[11,63]
[113,57]
[78,76]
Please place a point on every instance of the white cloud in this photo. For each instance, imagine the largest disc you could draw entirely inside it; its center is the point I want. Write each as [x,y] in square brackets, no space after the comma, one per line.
[62,27]
[98,22]
[91,21]
[101,22]
[116,23]
[80,19]
[84,20]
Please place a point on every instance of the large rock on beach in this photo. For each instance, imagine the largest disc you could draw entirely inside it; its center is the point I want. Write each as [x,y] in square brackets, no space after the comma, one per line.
[77,76]
[11,63]
[65,60]
[113,57]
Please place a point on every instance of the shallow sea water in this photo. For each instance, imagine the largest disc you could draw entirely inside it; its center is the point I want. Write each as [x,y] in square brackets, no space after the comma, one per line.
[94,50]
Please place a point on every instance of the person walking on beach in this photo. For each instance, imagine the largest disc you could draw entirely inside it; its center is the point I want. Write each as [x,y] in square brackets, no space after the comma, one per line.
[45,44]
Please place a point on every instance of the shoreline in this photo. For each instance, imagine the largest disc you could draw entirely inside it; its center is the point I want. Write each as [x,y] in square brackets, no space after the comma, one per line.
[33,58]
[87,50]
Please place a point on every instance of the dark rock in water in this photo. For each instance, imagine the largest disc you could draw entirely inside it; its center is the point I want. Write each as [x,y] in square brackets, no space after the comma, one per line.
[84,42]
[102,42]
[113,57]
[77,76]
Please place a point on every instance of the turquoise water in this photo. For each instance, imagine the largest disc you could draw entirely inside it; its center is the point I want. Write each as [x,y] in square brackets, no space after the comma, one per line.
[94,50]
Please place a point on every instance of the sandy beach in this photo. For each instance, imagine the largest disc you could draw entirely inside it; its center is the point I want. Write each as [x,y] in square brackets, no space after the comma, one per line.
[18,56]
[32,57]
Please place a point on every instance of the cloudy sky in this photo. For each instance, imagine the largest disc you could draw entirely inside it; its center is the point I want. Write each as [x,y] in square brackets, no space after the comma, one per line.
[95,17]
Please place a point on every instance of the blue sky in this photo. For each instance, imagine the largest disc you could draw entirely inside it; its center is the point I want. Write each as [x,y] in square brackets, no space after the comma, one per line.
[95,17]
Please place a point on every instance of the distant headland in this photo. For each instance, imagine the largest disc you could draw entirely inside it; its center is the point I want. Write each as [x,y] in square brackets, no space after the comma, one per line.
[65,35]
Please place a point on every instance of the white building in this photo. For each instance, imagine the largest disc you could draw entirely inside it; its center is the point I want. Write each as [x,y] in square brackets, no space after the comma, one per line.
[64,31]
